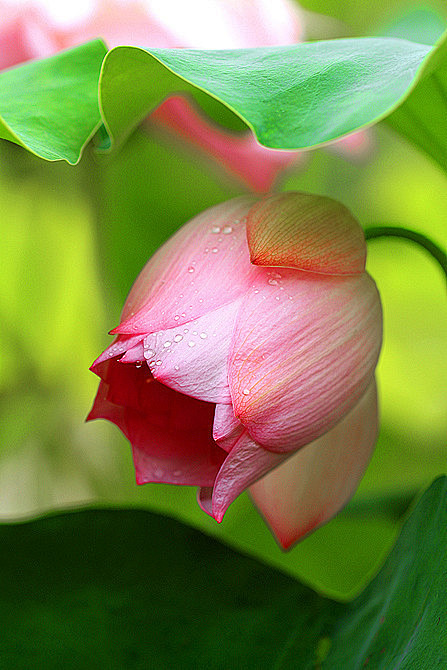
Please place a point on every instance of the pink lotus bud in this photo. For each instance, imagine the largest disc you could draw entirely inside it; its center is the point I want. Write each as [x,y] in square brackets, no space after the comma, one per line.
[252,333]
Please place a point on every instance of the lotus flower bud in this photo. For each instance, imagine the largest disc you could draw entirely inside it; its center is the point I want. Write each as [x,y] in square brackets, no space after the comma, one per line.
[245,358]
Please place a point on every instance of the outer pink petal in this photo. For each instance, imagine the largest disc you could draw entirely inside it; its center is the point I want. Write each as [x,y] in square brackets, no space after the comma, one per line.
[192,358]
[304,351]
[255,165]
[170,433]
[193,273]
[307,232]
[315,483]
[244,465]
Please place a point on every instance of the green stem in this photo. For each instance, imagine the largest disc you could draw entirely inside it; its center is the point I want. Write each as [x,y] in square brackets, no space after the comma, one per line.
[394,231]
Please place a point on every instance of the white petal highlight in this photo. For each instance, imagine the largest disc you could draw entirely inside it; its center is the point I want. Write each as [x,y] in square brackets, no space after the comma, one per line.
[193,358]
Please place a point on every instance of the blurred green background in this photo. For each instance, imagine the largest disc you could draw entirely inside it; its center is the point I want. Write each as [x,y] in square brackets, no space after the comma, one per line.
[74,239]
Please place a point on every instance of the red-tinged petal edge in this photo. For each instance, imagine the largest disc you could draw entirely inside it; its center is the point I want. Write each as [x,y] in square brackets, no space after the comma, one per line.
[315,483]
[307,232]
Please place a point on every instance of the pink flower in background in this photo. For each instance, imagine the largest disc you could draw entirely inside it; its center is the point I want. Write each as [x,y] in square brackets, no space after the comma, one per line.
[245,357]
[202,24]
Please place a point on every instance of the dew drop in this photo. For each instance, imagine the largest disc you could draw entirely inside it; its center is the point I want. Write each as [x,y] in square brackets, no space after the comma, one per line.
[157,362]
[203,336]
[148,353]
[185,330]
[227,230]
[246,392]
[206,250]
[183,314]
[176,367]
[214,250]
[138,364]
[194,332]
[277,297]
[215,229]
[178,338]
[256,290]
[176,317]
[190,269]
[167,344]
[191,343]
[273,282]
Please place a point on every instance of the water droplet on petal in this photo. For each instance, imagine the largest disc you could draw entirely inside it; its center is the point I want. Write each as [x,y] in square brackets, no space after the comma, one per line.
[273,282]
[148,353]
[227,230]
[190,269]
[215,229]
[138,364]
[157,362]
[167,344]
[214,250]
[176,367]
[178,338]
[191,343]
[176,317]
[203,336]
[246,392]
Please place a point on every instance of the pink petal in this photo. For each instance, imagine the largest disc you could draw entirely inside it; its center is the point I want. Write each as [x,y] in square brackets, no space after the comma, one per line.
[255,165]
[193,273]
[315,483]
[192,358]
[24,36]
[304,351]
[244,465]
[355,147]
[120,346]
[227,429]
[307,232]
[170,433]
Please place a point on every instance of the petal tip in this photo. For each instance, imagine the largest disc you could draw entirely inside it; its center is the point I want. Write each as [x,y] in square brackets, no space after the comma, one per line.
[307,232]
